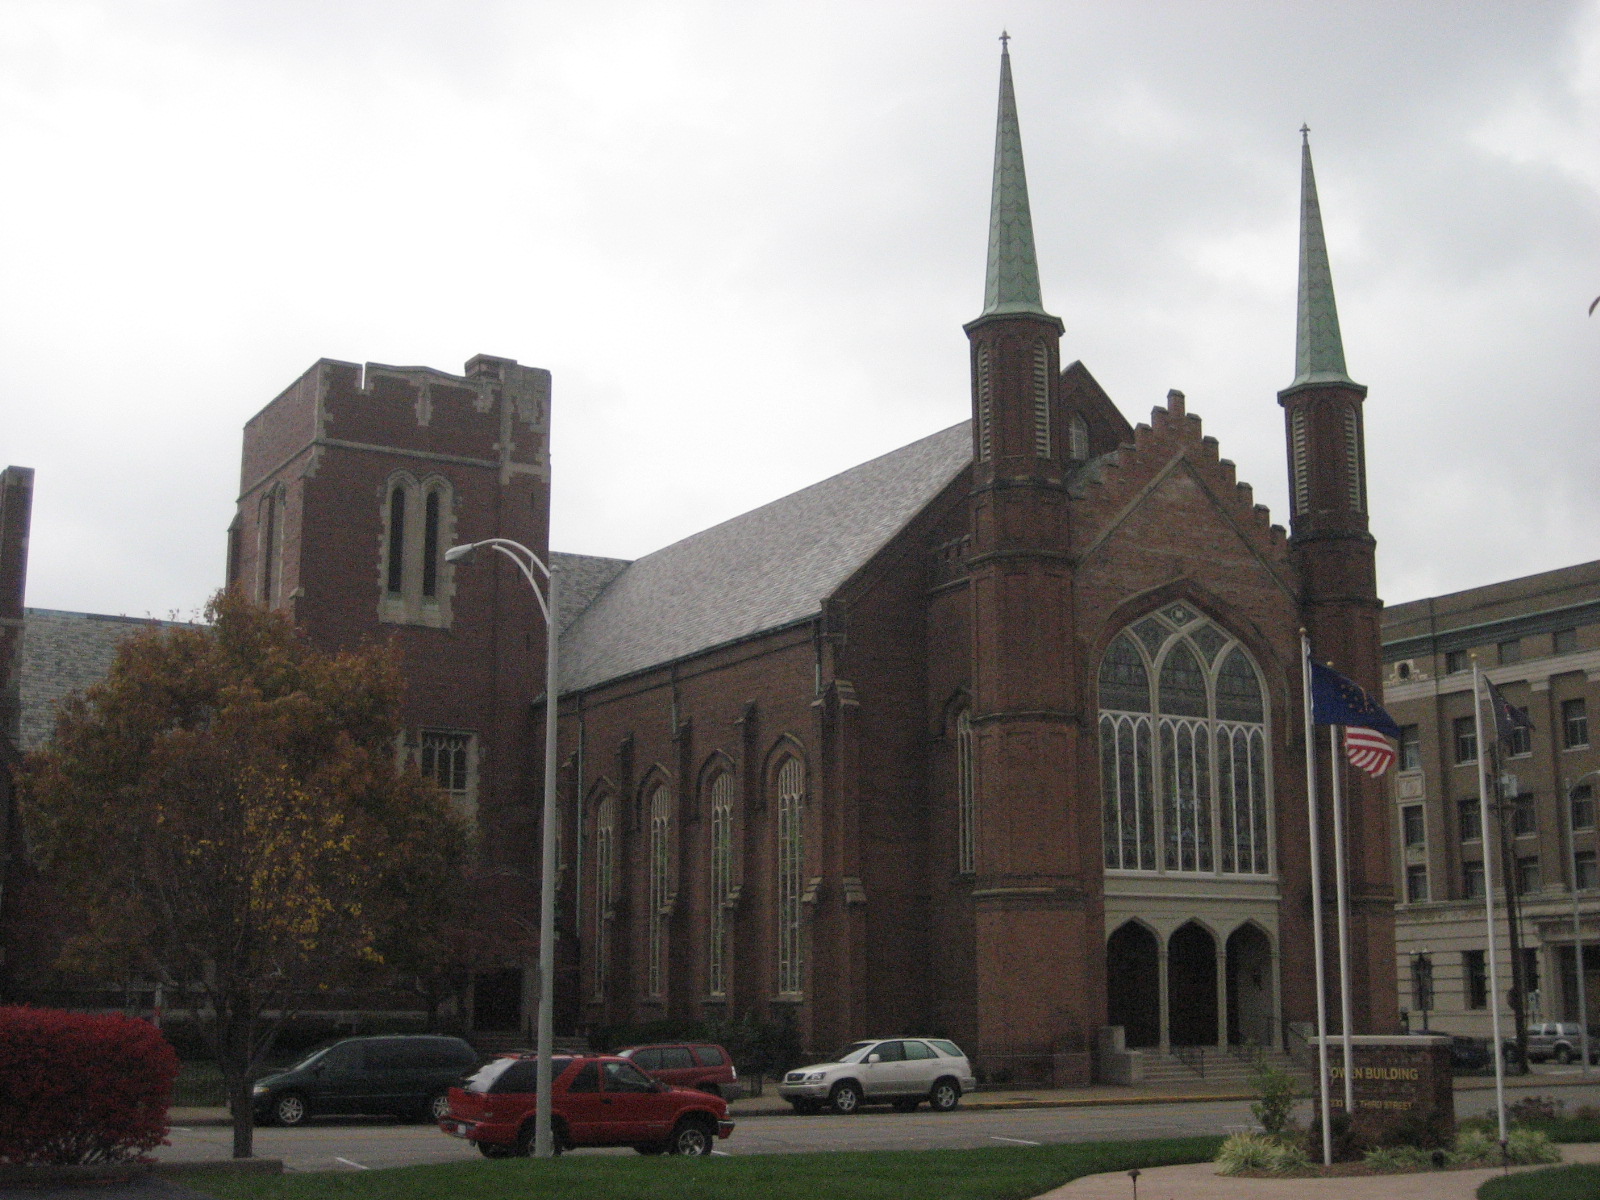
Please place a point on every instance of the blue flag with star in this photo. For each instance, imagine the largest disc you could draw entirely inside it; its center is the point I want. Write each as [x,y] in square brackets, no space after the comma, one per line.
[1336,700]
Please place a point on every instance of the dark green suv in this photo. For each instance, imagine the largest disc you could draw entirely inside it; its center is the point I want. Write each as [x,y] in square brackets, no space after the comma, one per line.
[408,1076]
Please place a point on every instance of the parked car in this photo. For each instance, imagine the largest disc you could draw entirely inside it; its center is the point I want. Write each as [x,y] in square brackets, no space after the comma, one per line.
[686,1064]
[595,1100]
[899,1071]
[1560,1040]
[1474,1054]
[406,1075]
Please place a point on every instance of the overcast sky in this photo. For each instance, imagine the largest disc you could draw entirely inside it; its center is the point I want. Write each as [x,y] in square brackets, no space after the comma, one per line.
[744,237]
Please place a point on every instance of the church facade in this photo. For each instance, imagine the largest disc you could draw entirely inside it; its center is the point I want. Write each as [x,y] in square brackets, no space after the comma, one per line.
[996,736]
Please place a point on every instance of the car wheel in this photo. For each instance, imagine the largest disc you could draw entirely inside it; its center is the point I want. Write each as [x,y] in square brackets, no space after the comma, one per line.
[944,1096]
[650,1148]
[437,1107]
[526,1135]
[906,1105]
[692,1138]
[845,1098]
[288,1109]
[492,1150]
[1564,1055]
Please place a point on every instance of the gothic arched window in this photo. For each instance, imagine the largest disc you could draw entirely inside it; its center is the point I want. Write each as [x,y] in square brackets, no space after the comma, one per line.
[722,839]
[791,864]
[660,885]
[1078,438]
[1185,779]
[966,797]
[418,522]
[605,869]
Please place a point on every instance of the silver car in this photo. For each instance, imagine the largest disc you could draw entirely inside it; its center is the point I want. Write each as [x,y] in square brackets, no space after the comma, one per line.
[1560,1040]
[899,1071]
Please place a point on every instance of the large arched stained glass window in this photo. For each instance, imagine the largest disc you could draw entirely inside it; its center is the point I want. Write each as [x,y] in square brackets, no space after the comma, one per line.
[660,885]
[605,866]
[1185,780]
[791,860]
[721,882]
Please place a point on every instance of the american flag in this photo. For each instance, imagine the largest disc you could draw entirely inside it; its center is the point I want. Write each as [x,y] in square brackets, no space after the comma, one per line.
[1368,750]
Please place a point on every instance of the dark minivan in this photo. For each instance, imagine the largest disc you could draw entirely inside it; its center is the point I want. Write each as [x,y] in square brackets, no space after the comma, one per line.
[408,1075]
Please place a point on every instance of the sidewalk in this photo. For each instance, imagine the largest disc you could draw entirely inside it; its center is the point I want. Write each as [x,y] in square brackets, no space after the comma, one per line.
[1196,1092]
[1199,1181]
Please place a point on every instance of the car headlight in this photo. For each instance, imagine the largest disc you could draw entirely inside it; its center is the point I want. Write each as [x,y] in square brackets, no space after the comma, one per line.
[260,1089]
[815,1077]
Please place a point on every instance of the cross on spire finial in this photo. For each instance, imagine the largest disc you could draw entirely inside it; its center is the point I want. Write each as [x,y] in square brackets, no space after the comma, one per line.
[1305,134]
[1005,42]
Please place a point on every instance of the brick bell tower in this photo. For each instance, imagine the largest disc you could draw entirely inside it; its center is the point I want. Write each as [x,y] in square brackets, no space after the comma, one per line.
[1333,552]
[1038,869]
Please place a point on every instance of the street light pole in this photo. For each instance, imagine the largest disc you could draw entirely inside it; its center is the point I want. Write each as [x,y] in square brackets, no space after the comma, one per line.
[527,561]
[1577,925]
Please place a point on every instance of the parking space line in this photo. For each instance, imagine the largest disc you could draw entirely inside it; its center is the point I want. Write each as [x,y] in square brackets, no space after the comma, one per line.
[348,1163]
[995,1137]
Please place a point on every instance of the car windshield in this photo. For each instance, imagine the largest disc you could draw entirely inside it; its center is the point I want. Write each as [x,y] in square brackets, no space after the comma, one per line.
[309,1059]
[853,1052]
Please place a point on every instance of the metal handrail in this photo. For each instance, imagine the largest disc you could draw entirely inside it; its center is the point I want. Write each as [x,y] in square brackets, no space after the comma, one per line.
[1193,1057]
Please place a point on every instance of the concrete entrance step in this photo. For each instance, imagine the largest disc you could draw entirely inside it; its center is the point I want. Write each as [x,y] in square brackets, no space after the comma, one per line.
[1211,1065]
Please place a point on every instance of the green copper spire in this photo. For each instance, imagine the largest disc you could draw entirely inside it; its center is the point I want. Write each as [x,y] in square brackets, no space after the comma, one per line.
[1012,282]
[1318,349]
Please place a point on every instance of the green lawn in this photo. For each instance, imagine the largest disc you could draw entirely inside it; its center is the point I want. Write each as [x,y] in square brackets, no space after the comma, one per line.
[1001,1173]
[1567,1129]
[1580,1182]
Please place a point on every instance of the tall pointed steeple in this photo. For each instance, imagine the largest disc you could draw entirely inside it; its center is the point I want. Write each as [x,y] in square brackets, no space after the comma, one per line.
[1011,284]
[1318,348]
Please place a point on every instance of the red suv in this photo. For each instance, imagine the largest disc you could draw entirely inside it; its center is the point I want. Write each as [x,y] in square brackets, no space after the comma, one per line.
[688,1065]
[595,1100]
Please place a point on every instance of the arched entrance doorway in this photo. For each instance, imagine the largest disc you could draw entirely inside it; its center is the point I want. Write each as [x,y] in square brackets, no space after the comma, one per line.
[1192,986]
[1133,987]
[1249,987]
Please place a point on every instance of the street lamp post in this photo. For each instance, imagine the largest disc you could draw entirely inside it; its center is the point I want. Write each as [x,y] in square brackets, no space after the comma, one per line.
[527,562]
[1577,925]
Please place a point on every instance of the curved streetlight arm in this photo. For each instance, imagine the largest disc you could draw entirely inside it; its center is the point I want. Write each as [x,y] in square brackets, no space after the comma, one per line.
[527,560]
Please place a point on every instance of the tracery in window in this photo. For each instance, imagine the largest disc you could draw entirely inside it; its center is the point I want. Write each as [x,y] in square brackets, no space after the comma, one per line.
[722,837]
[605,851]
[1185,779]
[660,885]
[791,860]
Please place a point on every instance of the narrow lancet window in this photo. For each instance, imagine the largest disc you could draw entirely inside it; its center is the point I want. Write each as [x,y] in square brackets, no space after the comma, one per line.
[966,798]
[721,882]
[791,859]
[660,883]
[430,545]
[397,540]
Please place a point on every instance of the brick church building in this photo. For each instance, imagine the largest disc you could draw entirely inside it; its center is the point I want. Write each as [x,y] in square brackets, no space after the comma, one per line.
[996,736]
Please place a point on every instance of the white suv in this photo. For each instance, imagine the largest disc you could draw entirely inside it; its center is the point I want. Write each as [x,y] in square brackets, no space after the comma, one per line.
[900,1071]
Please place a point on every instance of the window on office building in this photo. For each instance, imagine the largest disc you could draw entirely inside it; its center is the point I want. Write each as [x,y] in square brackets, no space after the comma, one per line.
[1470,818]
[1564,641]
[1456,661]
[1410,748]
[1466,740]
[1412,827]
[1416,883]
[1472,880]
[1474,979]
[1530,968]
[1528,877]
[1510,652]
[1524,817]
[1521,741]
[1583,807]
[1574,723]
[1588,870]
[1422,981]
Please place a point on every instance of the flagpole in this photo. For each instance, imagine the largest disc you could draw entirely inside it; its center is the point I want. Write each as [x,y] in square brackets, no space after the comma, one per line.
[1488,909]
[1342,917]
[1316,899]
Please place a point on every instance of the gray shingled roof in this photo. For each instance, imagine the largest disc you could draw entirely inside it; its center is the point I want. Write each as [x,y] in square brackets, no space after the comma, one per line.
[579,579]
[763,570]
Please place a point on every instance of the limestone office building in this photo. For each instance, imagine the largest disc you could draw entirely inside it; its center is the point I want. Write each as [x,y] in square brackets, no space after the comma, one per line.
[996,735]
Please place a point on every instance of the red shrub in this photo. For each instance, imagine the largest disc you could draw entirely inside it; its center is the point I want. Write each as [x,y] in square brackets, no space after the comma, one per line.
[76,1088]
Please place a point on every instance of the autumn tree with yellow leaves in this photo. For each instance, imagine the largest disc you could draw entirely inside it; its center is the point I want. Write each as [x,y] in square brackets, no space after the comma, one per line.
[226,814]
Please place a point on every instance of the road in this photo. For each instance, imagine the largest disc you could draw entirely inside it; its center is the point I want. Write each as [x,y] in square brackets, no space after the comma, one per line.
[358,1143]
[353,1143]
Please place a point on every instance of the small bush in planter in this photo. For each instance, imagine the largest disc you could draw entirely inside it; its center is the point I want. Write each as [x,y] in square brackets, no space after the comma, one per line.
[79,1088]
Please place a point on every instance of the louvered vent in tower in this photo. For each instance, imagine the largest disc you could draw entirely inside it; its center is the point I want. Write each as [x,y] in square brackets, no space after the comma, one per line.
[985,405]
[1041,400]
[1297,450]
[1352,459]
